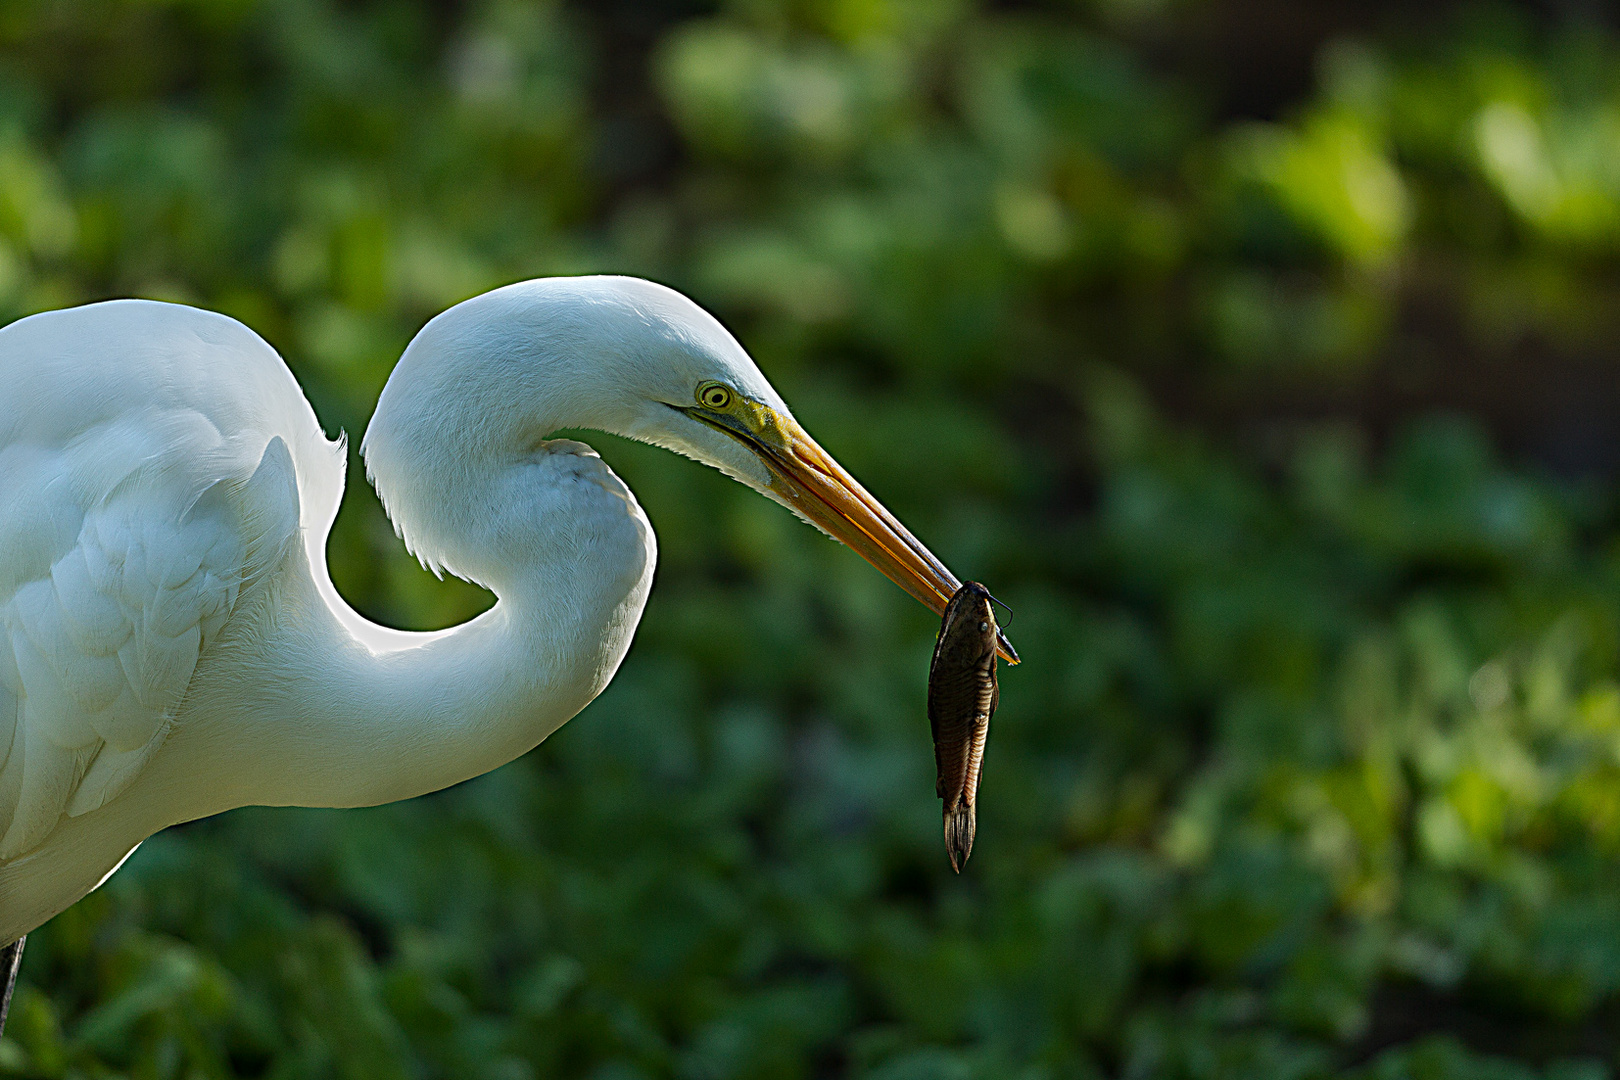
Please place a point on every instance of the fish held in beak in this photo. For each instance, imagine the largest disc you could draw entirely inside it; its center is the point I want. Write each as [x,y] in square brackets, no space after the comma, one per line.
[962,697]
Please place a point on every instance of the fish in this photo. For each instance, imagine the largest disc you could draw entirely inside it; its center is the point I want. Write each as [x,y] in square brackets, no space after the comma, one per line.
[962,697]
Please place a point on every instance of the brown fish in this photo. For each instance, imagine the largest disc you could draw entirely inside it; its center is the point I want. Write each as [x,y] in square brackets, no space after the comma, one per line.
[962,696]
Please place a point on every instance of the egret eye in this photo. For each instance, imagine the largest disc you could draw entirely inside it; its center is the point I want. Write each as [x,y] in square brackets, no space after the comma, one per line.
[714,395]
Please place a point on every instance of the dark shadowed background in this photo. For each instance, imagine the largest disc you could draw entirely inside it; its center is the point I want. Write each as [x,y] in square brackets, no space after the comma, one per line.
[1262,355]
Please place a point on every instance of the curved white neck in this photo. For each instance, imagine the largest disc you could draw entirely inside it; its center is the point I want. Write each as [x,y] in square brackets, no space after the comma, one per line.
[328,709]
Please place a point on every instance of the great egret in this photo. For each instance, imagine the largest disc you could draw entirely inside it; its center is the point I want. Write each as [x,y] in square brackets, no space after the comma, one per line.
[174,645]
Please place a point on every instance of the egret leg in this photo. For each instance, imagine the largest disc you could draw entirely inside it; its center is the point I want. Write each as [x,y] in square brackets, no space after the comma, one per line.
[10,961]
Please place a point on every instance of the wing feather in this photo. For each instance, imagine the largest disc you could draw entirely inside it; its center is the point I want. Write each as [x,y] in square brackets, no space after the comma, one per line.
[98,623]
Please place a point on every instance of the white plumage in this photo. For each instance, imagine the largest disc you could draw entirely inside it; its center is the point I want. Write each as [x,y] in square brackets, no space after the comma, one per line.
[170,642]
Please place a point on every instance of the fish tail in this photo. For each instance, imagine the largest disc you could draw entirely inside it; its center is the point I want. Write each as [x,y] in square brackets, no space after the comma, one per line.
[960,823]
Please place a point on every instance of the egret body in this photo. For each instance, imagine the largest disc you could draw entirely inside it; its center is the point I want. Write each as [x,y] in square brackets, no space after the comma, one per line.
[172,643]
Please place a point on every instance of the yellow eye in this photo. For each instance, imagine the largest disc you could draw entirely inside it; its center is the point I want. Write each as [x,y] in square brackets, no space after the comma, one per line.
[714,395]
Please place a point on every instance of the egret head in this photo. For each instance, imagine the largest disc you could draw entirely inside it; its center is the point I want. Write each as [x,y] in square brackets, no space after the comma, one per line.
[633,358]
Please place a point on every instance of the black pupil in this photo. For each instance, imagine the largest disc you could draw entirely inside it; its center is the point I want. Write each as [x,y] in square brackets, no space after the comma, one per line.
[717,397]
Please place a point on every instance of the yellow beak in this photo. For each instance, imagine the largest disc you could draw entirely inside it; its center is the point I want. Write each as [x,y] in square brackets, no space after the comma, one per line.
[812,483]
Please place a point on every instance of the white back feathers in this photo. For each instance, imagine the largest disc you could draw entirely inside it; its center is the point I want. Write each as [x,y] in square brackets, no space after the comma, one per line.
[129,526]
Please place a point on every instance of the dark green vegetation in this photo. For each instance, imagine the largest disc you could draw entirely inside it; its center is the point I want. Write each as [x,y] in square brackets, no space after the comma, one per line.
[1313,765]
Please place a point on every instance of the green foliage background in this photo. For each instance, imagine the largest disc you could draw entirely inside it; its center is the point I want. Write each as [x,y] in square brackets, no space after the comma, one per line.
[1313,765]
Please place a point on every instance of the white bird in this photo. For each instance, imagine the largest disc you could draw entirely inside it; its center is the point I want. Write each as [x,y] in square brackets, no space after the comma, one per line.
[172,643]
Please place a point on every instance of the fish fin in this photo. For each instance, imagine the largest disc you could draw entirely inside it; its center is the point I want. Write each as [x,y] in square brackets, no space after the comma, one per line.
[960,824]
